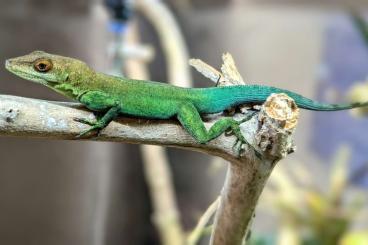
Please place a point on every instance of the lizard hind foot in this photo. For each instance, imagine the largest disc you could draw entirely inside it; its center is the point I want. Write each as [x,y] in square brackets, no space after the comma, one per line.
[238,148]
[234,130]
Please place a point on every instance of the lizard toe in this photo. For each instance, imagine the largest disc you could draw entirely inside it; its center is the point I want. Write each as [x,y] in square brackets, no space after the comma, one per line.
[84,121]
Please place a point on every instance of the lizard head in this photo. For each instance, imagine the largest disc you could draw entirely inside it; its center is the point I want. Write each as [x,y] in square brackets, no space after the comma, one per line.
[46,69]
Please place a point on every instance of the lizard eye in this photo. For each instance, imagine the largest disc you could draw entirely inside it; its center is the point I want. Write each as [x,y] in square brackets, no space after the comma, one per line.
[43,65]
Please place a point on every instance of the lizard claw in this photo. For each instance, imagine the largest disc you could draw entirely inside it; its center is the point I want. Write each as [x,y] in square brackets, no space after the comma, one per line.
[80,135]
[83,133]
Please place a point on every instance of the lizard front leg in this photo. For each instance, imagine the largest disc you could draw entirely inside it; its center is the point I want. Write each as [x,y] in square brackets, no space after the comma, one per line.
[98,101]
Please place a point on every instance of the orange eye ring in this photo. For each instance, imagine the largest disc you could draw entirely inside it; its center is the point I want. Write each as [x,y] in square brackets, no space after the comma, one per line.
[43,65]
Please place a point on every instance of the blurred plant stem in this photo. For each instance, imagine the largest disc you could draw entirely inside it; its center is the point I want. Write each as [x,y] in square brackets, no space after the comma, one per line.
[156,164]
[171,39]
[166,215]
[201,226]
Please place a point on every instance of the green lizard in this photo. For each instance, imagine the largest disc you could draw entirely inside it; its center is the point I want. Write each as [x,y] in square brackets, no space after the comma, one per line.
[115,95]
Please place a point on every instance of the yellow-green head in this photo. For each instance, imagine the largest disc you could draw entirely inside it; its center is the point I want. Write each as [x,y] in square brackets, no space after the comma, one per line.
[54,71]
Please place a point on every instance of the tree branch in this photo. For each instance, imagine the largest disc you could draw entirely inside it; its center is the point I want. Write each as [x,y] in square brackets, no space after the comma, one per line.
[28,117]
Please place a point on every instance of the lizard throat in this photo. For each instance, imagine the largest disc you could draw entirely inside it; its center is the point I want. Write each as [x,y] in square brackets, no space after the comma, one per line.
[66,90]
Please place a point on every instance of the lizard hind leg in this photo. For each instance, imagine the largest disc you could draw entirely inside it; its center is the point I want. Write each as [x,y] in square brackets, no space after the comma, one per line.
[191,120]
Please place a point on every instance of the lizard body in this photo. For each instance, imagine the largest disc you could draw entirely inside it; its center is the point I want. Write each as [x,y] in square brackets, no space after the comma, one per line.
[115,95]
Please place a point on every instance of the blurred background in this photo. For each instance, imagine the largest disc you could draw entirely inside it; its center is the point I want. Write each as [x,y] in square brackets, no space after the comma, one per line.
[67,192]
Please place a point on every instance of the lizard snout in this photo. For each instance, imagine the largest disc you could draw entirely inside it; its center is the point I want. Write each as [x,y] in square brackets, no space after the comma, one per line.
[8,64]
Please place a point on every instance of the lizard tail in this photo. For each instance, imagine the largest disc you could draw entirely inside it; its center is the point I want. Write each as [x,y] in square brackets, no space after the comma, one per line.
[313,105]
[303,102]
[316,106]
[218,99]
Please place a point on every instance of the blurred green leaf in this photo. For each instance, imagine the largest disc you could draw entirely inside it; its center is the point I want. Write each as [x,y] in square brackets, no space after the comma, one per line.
[339,174]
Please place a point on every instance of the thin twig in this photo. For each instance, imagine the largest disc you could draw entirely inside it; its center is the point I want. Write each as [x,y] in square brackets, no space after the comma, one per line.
[198,231]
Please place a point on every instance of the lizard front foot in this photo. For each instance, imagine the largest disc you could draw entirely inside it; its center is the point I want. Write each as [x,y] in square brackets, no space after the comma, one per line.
[100,123]
[96,126]
[84,121]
